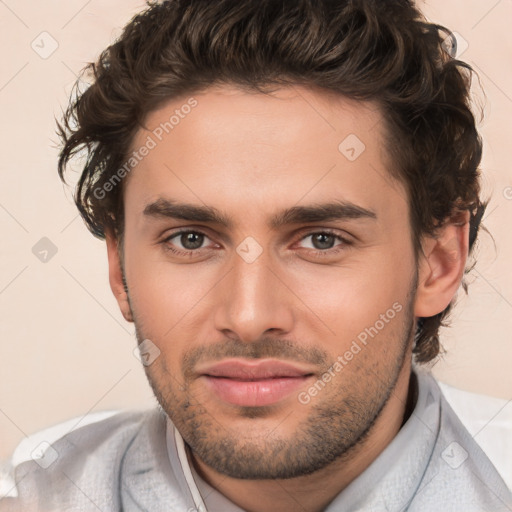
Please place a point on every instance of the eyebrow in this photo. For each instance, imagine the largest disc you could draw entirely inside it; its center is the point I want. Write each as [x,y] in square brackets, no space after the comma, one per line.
[336,210]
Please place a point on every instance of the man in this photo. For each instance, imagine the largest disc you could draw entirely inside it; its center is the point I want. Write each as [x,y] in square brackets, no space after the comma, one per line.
[289,193]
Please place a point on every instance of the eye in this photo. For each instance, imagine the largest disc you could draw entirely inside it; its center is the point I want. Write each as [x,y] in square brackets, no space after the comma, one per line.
[323,241]
[186,242]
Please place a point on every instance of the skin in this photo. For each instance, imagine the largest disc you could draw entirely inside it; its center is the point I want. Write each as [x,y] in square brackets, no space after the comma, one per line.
[251,156]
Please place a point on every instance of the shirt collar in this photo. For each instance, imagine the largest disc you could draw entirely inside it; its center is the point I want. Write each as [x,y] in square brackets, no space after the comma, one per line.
[392,479]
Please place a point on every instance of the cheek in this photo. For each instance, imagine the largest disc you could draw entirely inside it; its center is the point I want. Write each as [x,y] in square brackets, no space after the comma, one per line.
[349,299]
[166,298]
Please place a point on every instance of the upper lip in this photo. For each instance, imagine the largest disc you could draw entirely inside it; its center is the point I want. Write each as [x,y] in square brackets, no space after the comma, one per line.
[253,370]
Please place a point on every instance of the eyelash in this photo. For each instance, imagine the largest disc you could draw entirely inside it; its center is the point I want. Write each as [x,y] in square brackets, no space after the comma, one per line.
[345,243]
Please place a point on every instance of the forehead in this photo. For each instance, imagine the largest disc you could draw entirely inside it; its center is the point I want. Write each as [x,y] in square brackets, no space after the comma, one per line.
[226,146]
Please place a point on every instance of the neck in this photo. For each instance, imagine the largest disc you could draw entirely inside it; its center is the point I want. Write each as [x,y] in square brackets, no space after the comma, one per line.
[312,493]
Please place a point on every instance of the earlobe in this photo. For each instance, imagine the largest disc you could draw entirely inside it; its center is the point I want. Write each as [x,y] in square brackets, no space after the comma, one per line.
[441,266]
[116,276]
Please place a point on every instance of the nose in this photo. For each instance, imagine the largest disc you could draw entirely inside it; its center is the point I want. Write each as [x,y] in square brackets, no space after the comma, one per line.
[254,301]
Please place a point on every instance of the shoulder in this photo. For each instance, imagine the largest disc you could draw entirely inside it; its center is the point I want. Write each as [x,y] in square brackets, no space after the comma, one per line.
[459,472]
[77,457]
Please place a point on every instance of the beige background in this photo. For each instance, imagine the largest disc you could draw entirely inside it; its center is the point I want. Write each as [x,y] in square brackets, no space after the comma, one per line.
[65,349]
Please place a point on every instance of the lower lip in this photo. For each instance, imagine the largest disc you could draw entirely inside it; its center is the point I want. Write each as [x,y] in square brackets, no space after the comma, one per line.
[254,393]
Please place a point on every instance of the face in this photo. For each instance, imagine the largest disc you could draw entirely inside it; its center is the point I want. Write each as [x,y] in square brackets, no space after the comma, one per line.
[268,259]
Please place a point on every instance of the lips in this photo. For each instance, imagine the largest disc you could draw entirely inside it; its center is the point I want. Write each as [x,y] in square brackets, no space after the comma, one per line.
[254,383]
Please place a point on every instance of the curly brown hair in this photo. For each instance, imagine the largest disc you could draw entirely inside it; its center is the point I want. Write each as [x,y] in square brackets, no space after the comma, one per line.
[382,51]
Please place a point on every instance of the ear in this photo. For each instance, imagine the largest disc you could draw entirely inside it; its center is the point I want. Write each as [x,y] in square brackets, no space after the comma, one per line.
[441,266]
[115,274]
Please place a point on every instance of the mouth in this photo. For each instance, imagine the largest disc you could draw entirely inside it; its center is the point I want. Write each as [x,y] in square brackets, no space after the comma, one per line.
[254,383]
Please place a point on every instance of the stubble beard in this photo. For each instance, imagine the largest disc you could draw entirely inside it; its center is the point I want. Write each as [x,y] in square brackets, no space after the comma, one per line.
[333,430]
